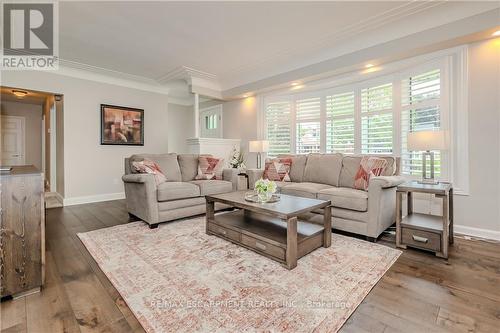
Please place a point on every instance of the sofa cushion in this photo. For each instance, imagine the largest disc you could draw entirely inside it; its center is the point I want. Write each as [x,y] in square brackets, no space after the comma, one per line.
[210,168]
[323,168]
[188,164]
[208,187]
[348,198]
[167,163]
[283,184]
[177,190]
[297,167]
[350,166]
[305,190]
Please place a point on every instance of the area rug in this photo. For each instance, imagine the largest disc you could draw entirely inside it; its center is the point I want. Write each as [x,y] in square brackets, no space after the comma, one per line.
[178,279]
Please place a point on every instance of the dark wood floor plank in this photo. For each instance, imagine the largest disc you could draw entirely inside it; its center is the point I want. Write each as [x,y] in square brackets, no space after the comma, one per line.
[419,293]
[50,310]
[13,315]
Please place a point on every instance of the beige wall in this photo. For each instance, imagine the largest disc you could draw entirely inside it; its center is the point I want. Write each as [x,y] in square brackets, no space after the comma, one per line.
[481,208]
[240,122]
[92,171]
[60,147]
[182,119]
[33,128]
[477,213]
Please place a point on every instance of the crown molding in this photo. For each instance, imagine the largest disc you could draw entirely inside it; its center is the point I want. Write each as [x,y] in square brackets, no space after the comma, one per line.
[103,75]
[186,73]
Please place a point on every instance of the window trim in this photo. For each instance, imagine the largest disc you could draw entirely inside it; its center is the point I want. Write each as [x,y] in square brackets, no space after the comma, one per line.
[454,95]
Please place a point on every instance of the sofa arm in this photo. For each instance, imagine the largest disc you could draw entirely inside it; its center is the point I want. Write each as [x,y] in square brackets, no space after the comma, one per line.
[231,175]
[386,181]
[382,203]
[141,196]
[253,176]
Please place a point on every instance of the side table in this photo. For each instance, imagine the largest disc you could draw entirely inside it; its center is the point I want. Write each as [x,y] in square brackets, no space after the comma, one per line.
[425,231]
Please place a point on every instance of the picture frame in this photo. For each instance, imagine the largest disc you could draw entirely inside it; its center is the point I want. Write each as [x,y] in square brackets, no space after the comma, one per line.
[122,126]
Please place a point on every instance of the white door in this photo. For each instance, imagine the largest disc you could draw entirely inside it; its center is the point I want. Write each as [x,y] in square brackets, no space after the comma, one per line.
[211,122]
[12,140]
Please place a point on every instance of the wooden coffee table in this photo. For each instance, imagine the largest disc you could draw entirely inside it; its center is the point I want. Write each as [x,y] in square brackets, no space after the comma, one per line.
[271,229]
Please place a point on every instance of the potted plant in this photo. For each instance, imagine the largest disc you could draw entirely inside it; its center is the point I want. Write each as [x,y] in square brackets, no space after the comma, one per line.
[265,189]
[237,160]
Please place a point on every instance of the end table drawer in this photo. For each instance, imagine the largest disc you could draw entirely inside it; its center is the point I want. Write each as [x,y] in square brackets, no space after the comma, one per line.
[225,232]
[262,246]
[422,239]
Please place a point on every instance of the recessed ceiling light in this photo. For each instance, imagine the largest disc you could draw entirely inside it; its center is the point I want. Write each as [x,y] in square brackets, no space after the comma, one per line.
[496,33]
[295,84]
[300,86]
[369,65]
[20,93]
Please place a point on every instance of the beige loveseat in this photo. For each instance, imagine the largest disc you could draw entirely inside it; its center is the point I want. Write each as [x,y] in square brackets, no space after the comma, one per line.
[180,196]
[331,177]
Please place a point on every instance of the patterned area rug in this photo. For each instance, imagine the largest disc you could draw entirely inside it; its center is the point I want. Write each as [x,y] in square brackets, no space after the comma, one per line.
[178,279]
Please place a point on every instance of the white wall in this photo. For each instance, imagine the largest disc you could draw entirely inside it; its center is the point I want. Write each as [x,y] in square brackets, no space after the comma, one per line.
[182,120]
[481,208]
[477,213]
[33,129]
[92,171]
[240,122]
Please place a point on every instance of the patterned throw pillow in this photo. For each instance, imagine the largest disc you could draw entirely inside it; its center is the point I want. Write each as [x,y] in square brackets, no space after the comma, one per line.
[148,166]
[278,169]
[368,167]
[210,168]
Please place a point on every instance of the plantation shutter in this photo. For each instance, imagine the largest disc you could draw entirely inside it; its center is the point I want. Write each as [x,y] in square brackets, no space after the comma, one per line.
[376,119]
[278,127]
[340,123]
[420,100]
[308,113]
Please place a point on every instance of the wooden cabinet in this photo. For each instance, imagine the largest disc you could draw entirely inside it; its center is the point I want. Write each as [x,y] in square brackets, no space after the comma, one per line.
[22,231]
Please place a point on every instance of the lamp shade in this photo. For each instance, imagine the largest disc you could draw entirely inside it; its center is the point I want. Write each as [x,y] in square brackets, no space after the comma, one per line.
[258,146]
[427,140]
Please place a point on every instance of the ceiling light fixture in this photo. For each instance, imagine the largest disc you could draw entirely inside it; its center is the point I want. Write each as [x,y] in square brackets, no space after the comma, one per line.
[20,93]
[369,65]
[496,33]
[294,84]
[297,87]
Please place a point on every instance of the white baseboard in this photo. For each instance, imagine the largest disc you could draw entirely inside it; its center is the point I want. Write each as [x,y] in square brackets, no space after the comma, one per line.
[93,198]
[477,232]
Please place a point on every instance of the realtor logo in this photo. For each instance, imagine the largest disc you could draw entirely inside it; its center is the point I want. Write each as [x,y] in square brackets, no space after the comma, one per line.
[29,36]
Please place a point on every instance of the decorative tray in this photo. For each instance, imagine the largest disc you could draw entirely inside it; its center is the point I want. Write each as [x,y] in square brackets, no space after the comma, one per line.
[253,197]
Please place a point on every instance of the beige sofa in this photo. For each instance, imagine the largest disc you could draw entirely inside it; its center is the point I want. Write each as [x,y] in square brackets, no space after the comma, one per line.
[180,196]
[331,177]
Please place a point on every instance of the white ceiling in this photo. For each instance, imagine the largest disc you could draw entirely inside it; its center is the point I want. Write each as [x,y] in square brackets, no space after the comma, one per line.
[238,42]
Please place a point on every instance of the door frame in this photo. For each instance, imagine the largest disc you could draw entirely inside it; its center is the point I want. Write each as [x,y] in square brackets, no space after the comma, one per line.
[219,110]
[23,127]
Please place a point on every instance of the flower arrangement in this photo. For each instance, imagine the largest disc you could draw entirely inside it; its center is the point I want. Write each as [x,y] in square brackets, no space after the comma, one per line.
[265,189]
[237,160]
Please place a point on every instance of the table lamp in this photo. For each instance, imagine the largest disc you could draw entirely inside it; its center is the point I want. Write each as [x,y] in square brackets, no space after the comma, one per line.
[426,141]
[258,146]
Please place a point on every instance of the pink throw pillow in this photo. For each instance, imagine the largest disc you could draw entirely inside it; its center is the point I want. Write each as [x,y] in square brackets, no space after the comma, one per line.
[210,168]
[369,166]
[150,167]
[278,169]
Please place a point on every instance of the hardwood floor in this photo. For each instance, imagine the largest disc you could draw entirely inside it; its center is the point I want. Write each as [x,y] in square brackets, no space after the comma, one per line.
[420,293]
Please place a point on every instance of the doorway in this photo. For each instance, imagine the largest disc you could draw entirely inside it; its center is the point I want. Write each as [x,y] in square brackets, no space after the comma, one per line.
[31,134]
[12,140]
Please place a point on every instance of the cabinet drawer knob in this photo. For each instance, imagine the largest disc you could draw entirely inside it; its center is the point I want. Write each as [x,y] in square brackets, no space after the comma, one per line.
[260,246]
[419,239]
[222,232]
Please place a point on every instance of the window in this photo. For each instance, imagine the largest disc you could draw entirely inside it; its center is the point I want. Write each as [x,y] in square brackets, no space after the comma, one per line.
[369,117]
[376,119]
[420,110]
[278,127]
[308,112]
[340,123]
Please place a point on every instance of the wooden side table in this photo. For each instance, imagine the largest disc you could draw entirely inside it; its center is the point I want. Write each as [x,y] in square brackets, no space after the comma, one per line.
[425,231]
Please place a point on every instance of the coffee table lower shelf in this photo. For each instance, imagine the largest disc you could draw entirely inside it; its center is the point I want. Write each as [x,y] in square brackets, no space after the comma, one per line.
[265,234]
